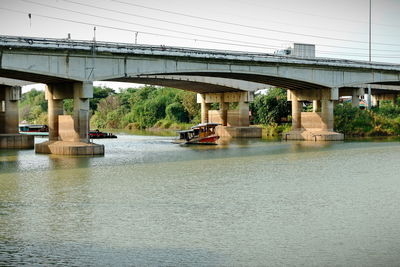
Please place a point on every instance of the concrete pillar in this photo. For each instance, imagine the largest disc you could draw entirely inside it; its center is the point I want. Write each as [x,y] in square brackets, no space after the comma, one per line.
[355,100]
[55,108]
[82,93]
[327,115]
[316,105]
[11,110]
[204,108]
[296,111]
[369,97]
[223,108]
[9,115]
[244,120]
[2,113]
[374,101]
[395,96]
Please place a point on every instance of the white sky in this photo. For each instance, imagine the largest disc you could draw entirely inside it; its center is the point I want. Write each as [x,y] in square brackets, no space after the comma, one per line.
[339,28]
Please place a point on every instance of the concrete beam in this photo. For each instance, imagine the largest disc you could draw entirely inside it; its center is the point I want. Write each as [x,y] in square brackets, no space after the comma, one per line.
[13,82]
[318,94]
[232,83]
[377,87]
[229,97]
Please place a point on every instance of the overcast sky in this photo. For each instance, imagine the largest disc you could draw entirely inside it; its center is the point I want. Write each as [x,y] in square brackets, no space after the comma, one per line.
[338,28]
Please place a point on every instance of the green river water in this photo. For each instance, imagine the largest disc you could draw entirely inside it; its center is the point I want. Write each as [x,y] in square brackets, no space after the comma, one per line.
[149,202]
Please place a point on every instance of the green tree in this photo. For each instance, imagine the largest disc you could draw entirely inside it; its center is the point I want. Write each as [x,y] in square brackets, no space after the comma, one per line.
[352,120]
[32,106]
[177,112]
[99,93]
[189,102]
[271,107]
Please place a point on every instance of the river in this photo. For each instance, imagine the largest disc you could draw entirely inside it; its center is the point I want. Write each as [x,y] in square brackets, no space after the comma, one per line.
[149,202]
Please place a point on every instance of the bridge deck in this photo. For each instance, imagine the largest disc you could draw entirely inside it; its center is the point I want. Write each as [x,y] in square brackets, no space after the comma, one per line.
[157,50]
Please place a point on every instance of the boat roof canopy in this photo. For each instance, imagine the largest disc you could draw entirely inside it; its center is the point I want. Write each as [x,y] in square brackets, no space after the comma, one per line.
[211,124]
[33,125]
[185,131]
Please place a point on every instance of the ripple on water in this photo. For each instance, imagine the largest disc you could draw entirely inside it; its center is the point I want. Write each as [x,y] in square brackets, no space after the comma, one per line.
[246,202]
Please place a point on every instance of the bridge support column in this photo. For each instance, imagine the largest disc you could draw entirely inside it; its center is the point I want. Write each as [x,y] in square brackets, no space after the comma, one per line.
[317,125]
[244,111]
[9,119]
[355,98]
[234,123]
[385,97]
[68,135]
[223,108]
[82,91]
[55,109]
[327,115]
[316,105]
[204,108]
[296,111]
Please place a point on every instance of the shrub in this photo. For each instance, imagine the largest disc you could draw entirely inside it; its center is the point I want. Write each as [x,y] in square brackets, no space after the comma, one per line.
[270,108]
[177,112]
[352,120]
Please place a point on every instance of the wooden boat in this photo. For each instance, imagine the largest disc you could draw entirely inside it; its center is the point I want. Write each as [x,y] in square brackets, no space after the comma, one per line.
[43,130]
[99,135]
[34,129]
[201,134]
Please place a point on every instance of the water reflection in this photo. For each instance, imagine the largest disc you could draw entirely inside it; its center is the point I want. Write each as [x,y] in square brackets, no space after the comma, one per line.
[304,146]
[151,202]
[69,162]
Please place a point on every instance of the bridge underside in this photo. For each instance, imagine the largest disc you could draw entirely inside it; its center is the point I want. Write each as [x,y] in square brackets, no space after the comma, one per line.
[388,83]
[32,77]
[196,87]
[262,79]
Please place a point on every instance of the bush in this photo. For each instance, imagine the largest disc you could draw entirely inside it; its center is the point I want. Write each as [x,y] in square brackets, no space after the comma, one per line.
[352,120]
[274,130]
[176,112]
[270,108]
[388,110]
[377,122]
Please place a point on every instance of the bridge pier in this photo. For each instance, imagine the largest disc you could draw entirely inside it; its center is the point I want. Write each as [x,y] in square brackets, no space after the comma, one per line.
[377,98]
[355,98]
[68,135]
[317,125]
[234,123]
[204,107]
[316,105]
[9,119]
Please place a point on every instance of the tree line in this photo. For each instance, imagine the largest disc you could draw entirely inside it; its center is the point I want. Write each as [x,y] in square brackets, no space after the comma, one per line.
[162,107]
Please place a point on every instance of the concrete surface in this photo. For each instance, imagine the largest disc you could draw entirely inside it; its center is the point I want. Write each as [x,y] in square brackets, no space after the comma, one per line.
[239,132]
[69,148]
[16,141]
[313,135]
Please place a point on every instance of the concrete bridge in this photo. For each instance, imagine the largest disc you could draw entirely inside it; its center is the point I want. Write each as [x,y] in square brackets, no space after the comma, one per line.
[69,68]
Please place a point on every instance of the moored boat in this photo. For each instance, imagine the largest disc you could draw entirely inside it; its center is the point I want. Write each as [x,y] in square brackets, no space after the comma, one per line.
[43,130]
[99,135]
[202,134]
[34,129]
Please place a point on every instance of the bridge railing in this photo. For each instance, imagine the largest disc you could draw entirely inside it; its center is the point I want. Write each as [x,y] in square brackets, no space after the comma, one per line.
[128,48]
